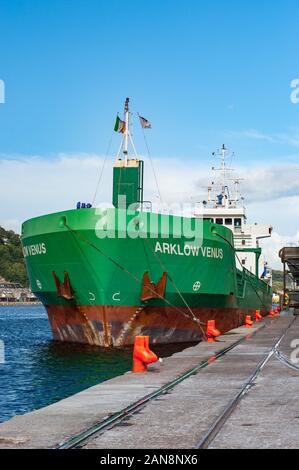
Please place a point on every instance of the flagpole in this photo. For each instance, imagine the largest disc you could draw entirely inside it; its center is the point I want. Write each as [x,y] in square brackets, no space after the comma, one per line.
[125,149]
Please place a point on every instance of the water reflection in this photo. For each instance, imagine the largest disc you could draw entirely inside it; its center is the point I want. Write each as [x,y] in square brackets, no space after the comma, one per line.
[39,371]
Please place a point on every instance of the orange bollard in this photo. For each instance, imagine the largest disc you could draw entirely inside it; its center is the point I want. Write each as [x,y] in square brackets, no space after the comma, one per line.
[147,348]
[212,331]
[248,321]
[142,355]
[258,316]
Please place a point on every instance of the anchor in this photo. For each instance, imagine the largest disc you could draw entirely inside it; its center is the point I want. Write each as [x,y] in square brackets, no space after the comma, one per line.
[64,288]
[150,290]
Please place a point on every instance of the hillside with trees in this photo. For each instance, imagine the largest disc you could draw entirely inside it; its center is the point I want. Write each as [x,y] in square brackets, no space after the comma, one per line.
[278,280]
[12,266]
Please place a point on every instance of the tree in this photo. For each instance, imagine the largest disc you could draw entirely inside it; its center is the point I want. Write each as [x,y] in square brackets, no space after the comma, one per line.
[12,266]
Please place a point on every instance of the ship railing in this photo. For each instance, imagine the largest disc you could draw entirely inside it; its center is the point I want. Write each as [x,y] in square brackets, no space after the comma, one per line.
[241,284]
[249,274]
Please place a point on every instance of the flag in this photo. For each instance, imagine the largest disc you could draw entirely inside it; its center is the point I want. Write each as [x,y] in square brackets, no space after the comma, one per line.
[120,126]
[145,124]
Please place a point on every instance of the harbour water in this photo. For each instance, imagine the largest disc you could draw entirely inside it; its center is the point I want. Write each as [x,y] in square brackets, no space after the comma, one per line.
[39,371]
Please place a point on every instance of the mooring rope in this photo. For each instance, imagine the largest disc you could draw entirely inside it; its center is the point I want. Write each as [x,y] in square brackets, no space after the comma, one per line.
[124,269]
[194,318]
[128,326]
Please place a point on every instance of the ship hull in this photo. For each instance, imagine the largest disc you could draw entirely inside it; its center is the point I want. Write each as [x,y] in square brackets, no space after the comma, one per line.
[103,288]
[107,326]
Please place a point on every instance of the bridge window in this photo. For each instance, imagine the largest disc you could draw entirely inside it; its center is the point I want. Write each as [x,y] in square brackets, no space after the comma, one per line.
[219,221]
[237,222]
[228,221]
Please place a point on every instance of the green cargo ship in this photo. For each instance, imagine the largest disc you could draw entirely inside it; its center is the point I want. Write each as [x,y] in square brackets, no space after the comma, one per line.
[106,275]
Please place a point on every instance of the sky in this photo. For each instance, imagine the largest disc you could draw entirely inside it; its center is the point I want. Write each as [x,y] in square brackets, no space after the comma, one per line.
[203,72]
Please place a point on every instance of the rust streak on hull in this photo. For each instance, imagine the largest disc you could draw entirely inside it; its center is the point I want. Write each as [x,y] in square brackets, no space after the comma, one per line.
[108,326]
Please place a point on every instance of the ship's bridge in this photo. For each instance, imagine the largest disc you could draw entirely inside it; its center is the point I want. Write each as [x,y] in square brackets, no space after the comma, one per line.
[246,236]
[223,207]
[233,218]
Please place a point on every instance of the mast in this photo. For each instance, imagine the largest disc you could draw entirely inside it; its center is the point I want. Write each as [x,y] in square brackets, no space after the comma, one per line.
[127,171]
[237,182]
[223,199]
[126,137]
[223,175]
[127,131]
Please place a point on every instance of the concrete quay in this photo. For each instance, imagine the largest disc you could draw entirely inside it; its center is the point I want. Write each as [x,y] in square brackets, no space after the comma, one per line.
[267,416]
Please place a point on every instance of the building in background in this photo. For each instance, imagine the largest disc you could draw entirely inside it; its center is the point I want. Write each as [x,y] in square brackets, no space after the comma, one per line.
[12,292]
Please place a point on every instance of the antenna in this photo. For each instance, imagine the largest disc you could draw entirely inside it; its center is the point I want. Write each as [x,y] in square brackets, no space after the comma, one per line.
[127,130]
[222,153]
[223,198]
[237,183]
[124,146]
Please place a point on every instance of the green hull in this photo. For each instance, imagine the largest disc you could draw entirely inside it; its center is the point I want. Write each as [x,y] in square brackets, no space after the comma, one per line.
[100,300]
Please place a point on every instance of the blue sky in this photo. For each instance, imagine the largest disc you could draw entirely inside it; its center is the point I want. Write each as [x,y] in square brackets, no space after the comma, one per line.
[204,73]
[197,69]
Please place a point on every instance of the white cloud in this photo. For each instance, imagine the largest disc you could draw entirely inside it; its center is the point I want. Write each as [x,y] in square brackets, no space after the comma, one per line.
[290,138]
[31,186]
[282,213]
[270,182]
[271,247]
[252,134]
[262,182]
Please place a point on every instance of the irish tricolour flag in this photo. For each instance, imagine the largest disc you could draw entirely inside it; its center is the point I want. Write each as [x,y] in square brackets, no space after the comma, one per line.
[120,126]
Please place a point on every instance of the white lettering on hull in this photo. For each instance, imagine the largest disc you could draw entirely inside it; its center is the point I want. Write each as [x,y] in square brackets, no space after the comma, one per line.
[188,250]
[33,250]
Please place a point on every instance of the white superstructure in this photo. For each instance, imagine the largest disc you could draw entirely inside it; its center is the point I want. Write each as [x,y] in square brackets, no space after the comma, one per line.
[225,209]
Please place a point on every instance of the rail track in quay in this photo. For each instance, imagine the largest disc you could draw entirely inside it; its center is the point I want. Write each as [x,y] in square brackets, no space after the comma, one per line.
[217,425]
[92,436]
